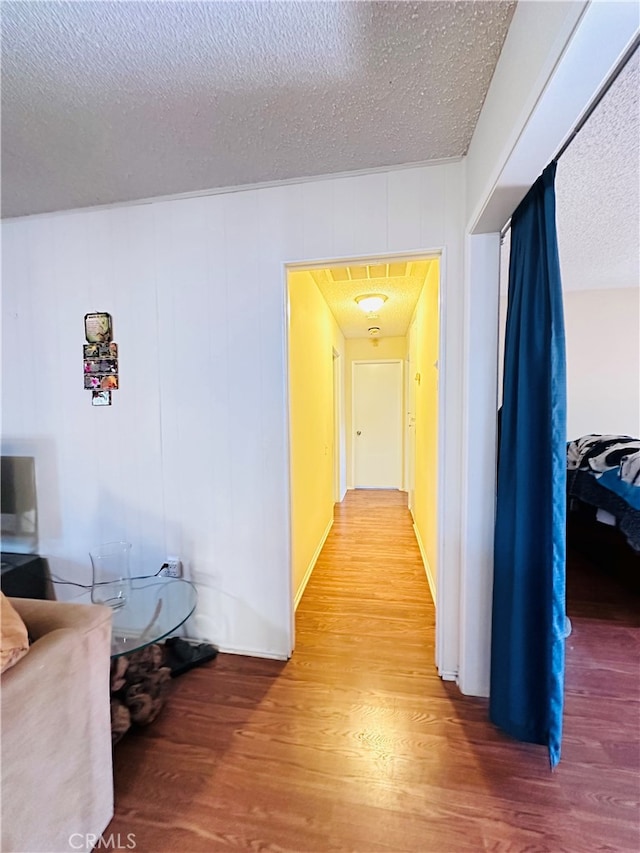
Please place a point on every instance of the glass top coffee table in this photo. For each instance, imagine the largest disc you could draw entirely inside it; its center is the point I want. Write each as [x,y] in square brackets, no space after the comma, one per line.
[155,608]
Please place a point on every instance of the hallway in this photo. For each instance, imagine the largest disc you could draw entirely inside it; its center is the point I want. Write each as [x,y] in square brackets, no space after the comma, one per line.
[355,744]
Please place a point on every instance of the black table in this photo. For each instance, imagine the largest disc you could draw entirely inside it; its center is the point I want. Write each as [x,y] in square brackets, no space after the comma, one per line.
[24,576]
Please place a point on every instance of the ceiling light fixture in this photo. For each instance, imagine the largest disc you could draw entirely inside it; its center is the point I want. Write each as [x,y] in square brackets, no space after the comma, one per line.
[370,302]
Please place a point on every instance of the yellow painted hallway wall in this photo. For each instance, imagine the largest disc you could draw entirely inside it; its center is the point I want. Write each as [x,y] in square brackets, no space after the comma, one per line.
[313,335]
[425,511]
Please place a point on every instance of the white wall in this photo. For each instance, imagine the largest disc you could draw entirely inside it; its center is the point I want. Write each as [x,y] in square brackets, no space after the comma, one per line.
[602,333]
[603,361]
[192,458]
[479,465]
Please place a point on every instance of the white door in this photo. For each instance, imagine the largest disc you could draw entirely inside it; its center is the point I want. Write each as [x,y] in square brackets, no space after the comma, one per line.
[377,424]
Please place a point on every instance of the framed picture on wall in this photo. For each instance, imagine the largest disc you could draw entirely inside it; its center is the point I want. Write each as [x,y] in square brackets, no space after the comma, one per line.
[101,398]
[108,350]
[107,383]
[91,383]
[97,327]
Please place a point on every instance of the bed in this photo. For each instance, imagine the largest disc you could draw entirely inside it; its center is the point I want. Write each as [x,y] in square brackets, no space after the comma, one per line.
[603,509]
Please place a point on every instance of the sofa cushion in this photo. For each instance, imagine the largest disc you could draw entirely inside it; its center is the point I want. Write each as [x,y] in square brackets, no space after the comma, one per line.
[15,641]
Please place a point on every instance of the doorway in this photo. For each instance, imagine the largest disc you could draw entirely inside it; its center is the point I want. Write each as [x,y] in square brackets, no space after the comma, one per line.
[346,376]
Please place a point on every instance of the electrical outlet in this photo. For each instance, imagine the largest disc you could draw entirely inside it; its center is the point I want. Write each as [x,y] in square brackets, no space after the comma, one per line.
[173,569]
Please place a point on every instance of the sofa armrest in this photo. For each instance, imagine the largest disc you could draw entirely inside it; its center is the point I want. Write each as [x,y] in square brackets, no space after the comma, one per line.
[41,617]
[57,783]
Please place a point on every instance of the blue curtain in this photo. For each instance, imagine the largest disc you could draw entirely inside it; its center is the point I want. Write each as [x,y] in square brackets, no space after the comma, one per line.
[527,644]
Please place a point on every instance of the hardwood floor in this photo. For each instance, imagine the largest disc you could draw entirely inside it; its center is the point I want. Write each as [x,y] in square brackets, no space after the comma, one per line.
[355,744]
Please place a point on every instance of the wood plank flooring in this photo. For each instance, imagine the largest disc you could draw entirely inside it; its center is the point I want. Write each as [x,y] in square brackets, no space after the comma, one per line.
[355,744]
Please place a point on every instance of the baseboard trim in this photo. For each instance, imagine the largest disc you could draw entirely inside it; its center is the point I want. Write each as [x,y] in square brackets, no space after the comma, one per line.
[430,579]
[311,567]
[251,653]
[448,676]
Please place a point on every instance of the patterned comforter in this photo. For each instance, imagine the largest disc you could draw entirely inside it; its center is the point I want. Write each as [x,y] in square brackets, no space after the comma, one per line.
[604,471]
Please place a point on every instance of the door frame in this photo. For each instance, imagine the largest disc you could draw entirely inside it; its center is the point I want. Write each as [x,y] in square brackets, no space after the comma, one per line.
[353,409]
[339,482]
[447,619]
[410,427]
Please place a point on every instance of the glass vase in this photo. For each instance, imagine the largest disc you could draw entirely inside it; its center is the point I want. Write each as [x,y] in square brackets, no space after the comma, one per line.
[111,576]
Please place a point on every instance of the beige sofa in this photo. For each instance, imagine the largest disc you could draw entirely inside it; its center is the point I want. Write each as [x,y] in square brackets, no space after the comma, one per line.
[57,779]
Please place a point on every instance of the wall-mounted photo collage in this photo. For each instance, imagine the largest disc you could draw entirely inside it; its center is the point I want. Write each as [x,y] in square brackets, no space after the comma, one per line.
[100,359]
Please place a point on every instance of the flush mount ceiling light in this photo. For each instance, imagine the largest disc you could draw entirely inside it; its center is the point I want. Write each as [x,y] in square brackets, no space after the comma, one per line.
[369,302]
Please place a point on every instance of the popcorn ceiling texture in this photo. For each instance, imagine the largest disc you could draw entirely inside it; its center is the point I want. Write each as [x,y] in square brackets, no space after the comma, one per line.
[109,101]
[393,318]
[598,195]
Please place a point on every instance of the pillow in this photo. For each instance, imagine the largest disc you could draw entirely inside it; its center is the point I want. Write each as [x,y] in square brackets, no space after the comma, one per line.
[15,642]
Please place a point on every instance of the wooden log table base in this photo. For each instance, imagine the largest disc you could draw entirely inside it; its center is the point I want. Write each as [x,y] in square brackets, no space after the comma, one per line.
[139,686]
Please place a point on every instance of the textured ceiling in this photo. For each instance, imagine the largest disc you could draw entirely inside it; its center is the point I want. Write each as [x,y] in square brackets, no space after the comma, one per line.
[112,101]
[401,283]
[598,194]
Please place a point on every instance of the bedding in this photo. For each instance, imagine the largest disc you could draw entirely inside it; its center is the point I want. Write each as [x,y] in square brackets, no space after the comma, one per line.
[604,471]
